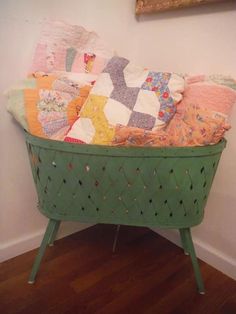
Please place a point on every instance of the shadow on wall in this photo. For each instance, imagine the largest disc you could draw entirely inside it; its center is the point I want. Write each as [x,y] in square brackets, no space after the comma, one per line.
[187,12]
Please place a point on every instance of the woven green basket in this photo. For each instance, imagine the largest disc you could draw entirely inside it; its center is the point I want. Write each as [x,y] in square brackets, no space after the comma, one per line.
[153,187]
[162,187]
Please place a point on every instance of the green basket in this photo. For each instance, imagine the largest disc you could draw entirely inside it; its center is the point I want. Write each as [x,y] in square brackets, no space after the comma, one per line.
[153,187]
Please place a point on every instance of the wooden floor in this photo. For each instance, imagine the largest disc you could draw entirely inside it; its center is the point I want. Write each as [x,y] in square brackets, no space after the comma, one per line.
[147,274]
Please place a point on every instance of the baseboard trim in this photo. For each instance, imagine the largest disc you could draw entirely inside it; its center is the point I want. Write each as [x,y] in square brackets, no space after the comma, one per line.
[205,252]
[33,240]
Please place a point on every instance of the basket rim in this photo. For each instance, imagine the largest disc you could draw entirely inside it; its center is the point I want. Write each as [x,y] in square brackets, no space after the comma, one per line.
[126,151]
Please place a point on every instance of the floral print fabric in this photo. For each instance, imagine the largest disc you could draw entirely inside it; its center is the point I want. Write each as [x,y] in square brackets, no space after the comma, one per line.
[193,127]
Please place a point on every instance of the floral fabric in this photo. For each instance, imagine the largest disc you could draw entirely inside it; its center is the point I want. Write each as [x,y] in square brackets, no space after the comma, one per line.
[193,127]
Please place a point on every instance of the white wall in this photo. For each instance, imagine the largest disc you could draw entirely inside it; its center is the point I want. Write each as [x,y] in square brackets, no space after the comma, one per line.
[195,40]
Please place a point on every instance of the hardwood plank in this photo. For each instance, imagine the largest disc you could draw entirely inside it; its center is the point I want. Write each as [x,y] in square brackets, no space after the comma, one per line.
[147,274]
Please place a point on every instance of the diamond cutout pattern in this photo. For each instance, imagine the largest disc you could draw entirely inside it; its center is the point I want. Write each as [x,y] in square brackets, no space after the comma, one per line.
[122,189]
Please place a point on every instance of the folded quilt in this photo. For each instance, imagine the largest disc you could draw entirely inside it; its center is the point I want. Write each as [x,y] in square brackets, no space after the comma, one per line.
[47,103]
[78,91]
[71,48]
[201,118]
[128,95]
[215,92]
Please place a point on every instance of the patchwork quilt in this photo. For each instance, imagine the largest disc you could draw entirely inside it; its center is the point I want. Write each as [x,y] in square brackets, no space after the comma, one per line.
[71,48]
[45,104]
[128,95]
[78,91]
[201,117]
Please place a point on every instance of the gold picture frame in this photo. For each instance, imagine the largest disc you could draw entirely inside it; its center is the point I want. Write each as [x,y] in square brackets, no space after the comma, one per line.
[151,6]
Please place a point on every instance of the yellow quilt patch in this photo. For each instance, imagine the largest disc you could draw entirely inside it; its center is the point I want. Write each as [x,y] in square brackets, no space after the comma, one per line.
[94,110]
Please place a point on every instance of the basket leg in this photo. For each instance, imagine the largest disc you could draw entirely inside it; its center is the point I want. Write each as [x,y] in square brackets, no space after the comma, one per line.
[115,239]
[184,245]
[190,249]
[50,228]
[54,233]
